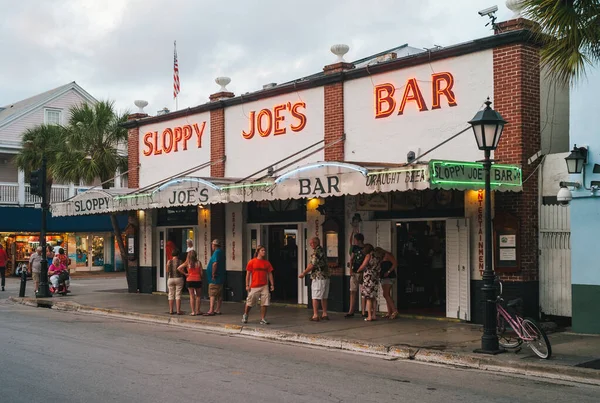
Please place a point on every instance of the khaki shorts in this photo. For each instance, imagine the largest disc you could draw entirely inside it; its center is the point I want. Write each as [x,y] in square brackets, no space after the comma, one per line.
[215,290]
[35,277]
[319,289]
[354,282]
[256,293]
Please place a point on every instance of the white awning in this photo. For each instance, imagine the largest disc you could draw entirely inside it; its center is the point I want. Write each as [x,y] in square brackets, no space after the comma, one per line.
[321,179]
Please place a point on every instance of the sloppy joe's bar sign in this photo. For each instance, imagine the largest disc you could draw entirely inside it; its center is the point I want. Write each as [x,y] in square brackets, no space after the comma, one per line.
[276,120]
[174,139]
[388,103]
[470,175]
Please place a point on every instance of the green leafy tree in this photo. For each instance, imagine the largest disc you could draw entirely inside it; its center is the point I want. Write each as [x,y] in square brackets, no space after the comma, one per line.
[40,141]
[570,31]
[94,151]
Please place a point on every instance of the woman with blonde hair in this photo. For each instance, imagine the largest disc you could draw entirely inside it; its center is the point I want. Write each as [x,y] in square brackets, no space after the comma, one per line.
[388,278]
[192,269]
[174,282]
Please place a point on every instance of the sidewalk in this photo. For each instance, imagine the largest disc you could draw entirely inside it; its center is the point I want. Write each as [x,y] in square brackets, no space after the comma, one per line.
[425,340]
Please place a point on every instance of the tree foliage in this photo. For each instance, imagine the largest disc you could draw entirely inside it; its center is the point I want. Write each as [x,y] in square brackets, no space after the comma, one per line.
[570,30]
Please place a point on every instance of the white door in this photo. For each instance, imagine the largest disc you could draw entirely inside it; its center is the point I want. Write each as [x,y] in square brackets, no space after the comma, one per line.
[161,258]
[458,272]
[302,263]
[257,235]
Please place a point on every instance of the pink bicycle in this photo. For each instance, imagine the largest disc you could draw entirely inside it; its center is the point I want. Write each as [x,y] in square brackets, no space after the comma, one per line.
[513,330]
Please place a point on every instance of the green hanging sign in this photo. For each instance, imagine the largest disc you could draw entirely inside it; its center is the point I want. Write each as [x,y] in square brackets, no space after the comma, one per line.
[470,175]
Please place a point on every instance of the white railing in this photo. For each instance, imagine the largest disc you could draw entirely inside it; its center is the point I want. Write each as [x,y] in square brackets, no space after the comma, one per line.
[59,193]
[9,193]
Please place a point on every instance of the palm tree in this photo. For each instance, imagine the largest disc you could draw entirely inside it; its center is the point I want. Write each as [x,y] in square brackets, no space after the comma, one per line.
[94,151]
[38,142]
[570,31]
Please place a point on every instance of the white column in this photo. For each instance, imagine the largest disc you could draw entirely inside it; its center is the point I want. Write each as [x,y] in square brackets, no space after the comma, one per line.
[118,182]
[21,183]
[71,189]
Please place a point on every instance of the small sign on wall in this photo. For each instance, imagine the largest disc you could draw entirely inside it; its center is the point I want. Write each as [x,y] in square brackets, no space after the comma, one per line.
[373,202]
[506,243]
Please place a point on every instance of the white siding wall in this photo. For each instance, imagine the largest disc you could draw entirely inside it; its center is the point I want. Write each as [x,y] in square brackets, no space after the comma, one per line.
[14,131]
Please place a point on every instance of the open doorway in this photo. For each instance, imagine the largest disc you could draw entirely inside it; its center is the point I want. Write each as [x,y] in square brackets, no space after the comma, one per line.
[283,254]
[421,251]
[176,239]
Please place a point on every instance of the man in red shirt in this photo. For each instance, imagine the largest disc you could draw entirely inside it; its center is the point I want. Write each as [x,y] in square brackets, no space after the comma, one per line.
[259,273]
[3,260]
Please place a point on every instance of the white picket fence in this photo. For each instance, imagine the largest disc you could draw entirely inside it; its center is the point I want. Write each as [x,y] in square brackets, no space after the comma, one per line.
[555,260]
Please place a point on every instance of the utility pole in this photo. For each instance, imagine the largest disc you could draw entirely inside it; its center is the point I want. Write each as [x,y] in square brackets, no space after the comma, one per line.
[44,289]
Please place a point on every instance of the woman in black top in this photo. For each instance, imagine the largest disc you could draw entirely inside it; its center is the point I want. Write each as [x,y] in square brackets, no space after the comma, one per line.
[388,278]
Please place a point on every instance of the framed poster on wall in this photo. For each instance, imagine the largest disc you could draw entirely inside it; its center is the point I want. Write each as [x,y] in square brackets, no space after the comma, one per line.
[373,202]
[506,243]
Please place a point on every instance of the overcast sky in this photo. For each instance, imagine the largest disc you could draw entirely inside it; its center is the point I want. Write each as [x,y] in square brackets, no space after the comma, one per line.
[122,50]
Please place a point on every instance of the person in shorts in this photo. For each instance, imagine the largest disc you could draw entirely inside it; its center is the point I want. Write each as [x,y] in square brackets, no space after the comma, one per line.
[259,274]
[357,240]
[389,265]
[215,272]
[319,274]
[192,269]
[35,266]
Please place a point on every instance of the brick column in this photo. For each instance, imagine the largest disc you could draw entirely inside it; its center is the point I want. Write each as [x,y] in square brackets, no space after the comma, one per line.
[517,98]
[334,112]
[133,152]
[217,169]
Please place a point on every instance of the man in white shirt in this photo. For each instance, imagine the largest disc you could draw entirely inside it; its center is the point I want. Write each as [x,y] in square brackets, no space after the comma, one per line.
[57,247]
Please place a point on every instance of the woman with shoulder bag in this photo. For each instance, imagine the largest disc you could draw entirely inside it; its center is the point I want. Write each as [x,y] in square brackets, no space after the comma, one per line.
[174,282]
[388,279]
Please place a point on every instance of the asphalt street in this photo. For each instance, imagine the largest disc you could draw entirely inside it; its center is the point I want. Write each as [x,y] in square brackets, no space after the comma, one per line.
[51,356]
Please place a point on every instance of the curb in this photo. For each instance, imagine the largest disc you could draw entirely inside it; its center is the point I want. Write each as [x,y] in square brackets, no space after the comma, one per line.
[424,355]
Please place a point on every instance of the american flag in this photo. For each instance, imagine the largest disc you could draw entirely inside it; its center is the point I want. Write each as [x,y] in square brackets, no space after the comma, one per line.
[175,72]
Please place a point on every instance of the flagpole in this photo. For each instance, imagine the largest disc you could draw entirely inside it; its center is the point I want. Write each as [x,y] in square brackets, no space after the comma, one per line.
[176,87]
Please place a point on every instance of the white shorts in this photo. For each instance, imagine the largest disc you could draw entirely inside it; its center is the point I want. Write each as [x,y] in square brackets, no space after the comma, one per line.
[320,289]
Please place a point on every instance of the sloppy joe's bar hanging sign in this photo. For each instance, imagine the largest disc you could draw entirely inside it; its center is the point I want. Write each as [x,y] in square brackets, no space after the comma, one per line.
[173,146]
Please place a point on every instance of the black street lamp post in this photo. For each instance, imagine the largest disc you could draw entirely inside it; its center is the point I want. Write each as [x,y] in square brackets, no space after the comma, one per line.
[487,127]
[43,288]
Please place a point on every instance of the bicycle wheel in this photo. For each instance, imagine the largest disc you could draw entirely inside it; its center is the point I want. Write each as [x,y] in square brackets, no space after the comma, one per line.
[507,338]
[540,344]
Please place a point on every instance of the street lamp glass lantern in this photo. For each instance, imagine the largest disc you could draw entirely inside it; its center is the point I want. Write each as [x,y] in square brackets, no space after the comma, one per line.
[576,160]
[487,127]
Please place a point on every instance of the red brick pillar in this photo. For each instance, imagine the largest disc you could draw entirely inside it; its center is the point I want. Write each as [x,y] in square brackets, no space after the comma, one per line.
[517,98]
[133,152]
[334,112]
[217,154]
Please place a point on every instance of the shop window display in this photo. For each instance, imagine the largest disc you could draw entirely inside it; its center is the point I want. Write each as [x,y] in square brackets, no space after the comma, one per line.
[97,251]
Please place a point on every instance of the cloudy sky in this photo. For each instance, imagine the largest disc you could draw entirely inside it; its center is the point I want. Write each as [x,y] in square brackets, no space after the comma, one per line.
[123,49]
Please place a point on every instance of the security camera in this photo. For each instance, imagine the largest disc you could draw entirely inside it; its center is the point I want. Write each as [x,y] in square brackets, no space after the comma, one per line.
[564,196]
[488,11]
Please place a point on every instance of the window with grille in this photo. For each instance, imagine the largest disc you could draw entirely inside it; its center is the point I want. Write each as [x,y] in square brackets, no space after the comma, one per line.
[53,117]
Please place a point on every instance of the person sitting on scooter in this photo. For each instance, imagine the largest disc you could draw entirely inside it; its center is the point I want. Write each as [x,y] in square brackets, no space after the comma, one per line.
[57,272]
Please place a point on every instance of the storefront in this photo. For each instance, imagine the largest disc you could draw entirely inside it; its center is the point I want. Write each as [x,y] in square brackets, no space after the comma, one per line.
[334,152]
[87,241]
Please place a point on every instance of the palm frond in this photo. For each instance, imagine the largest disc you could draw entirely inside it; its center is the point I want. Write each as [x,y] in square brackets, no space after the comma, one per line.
[95,135]
[570,31]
